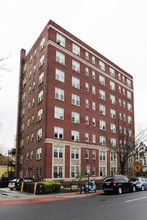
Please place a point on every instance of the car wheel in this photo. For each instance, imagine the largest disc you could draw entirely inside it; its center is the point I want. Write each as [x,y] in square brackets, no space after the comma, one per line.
[11,188]
[120,191]
[142,188]
[133,188]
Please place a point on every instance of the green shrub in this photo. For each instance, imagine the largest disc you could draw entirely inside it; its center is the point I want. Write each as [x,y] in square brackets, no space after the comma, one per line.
[50,187]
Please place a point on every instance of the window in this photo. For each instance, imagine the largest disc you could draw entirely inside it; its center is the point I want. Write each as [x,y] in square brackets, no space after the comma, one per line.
[32,120]
[24,68]
[112,85]
[124,104]
[75,135]
[22,127]
[74,171]
[29,104]
[101,65]
[29,91]
[119,76]
[75,153]
[58,152]
[34,69]
[86,55]
[27,156]
[94,154]
[119,89]
[120,129]
[38,172]
[93,90]
[112,99]
[41,78]
[112,127]
[86,71]
[23,97]
[60,57]
[102,140]
[75,82]
[24,83]
[129,95]
[58,132]
[123,79]
[113,142]
[93,59]
[93,138]
[22,143]
[28,122]
[93,171]
[129,119]
[28,138]
[87,154]
[87,119]
[113,156]
[112,72]
[39,134]
[21,159]
[41,61]
[30,74]
[76,49]
[129,83]
[129,107]
[75,100]
[31,155]
[58,172]
[75,66]
[86,103]
[40,96]
[38,153]
[102,156]
[60,40]
[32,137]
[119,102]
[42,43]
[40,114]
[59,113]
[33,85]
[33,102]
[124,117]
[59,75]
[120,115]
[102,94]
[59,94]
[123,91]
[102,109]
[112,113]
[102,125]
[75,117]
[23,112]
[87,87]
[102,80]
[93,74]
[113,171]
[93,106]
[86,137]
[93,122]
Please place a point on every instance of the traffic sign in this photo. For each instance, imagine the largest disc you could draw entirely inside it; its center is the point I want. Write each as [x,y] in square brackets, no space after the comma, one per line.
[137,168]
[137,160]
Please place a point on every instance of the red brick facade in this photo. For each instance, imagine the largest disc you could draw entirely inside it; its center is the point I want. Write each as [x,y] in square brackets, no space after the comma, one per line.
[70,155]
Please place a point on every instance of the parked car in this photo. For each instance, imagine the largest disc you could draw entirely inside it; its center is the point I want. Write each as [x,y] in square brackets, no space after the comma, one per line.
[23,180]
[118,184]
[12,184]
[141,183]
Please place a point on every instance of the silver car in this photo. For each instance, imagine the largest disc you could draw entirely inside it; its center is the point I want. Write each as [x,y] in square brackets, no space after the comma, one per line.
[141,183]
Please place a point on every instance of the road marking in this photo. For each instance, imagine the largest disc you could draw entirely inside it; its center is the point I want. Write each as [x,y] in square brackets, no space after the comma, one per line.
[136,199]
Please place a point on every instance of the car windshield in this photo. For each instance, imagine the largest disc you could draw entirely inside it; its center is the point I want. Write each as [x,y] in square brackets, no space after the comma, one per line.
[109,180]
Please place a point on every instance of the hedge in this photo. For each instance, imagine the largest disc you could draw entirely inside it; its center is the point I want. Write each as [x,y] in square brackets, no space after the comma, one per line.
[50,187]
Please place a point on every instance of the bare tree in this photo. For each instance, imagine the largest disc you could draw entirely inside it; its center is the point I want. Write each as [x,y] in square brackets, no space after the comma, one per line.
[126,142]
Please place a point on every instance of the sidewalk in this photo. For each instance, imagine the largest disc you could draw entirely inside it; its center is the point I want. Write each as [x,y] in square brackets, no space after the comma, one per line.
[8,197]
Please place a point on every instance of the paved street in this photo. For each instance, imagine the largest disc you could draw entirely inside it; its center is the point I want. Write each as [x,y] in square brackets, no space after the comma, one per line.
[99,206]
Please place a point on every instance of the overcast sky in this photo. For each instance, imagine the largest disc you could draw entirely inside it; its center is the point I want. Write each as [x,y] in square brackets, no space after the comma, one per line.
[115,28]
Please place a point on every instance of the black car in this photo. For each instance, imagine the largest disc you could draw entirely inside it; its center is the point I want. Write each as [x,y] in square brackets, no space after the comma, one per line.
[23,180]
[118,184]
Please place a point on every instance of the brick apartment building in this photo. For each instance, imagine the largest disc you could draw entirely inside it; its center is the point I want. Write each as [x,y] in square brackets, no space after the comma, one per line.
[69,98]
